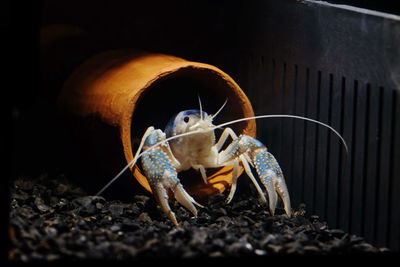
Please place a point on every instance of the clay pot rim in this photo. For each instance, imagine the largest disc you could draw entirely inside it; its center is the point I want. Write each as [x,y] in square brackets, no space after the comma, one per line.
[196,66]
[175,69]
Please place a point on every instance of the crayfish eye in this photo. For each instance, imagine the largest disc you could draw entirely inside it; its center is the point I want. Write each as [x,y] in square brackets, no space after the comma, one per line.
[186,119]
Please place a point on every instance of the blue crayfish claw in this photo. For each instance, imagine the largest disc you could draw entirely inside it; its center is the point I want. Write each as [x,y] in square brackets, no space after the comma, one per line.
[272,178]
[161,173]
[250,151]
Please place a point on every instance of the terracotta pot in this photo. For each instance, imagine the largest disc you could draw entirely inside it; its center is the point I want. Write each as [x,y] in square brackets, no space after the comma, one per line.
[133,90]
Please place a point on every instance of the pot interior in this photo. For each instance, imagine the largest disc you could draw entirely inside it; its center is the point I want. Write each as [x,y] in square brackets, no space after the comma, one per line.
[179,91]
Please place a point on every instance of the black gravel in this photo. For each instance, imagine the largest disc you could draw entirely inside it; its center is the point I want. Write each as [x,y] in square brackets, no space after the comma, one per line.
[52,219]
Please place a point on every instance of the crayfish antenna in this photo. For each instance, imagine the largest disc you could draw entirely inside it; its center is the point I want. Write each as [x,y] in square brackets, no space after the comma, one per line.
[200,107]
[132,163]
[283,116]
[220,109]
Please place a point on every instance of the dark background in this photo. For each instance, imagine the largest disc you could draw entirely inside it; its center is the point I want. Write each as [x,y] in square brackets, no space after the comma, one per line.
[197,31]
[247,40]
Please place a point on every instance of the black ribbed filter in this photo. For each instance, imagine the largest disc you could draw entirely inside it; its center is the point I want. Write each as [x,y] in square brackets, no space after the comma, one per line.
[340,66]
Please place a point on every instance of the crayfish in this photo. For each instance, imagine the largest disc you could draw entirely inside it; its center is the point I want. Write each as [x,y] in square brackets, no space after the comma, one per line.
[189,141]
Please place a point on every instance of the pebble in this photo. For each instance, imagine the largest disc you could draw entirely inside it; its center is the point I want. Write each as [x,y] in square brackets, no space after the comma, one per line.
[216,254]
[52,219]
[116,210]
[129,225]
[115,228]
[239,248]
[260,252]
[39,203]
[198,237]
[144,217]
